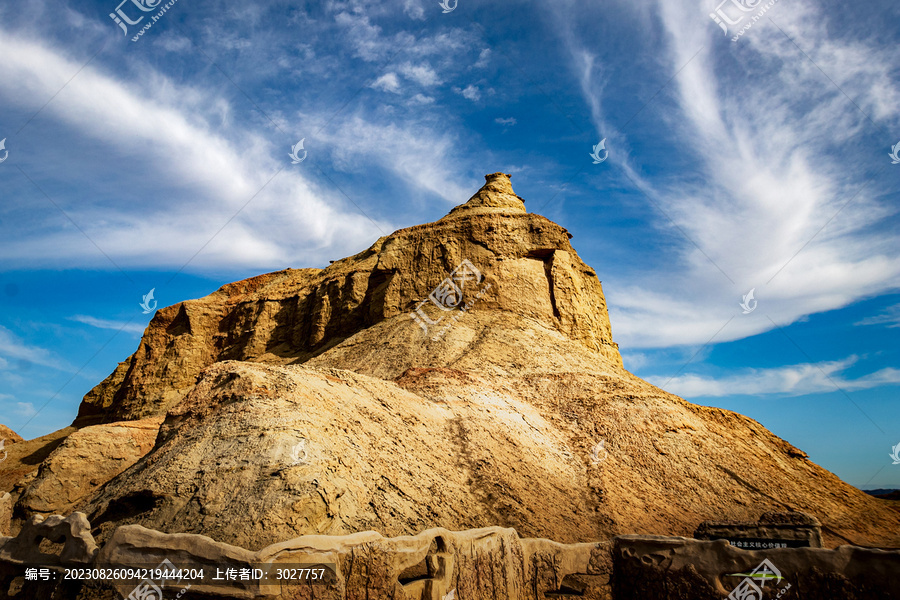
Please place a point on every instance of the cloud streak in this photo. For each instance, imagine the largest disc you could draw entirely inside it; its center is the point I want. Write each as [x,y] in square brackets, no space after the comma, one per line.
[124,326]
[14,350]
[791,380]
[776,205]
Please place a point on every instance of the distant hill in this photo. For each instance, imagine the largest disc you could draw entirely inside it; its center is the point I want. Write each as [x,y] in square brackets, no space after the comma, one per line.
[885,494]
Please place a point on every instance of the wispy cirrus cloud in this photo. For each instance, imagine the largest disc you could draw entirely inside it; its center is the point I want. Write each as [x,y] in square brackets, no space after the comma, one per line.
[23,409]
[222,168]
[889,317]
[769,139]
[790,380]
[424,162]
[219,154]
[133,328]
[15,351]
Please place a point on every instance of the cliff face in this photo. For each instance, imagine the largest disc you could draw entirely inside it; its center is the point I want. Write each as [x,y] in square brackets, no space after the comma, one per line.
[312,402]
[291,316]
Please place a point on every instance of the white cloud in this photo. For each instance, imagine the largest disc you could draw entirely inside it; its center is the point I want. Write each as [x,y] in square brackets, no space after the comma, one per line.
[890,317]
[470,92]
[792,380]
[221,169]
[365,37]
[423,74]
[24,409]
[774,168]
[389,82]
[506,121]
[413,9]
[424,158]
[634,360]
[483,58]
[421,99]
[173,43]
[125,326]
[15,351]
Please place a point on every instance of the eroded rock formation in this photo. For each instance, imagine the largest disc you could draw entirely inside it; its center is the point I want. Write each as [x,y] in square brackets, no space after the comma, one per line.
[291,316]
[72,532]
[310,403]
[492,562]
[9,436]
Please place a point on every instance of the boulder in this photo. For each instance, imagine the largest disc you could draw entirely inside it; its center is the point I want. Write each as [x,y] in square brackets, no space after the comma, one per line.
[85,461]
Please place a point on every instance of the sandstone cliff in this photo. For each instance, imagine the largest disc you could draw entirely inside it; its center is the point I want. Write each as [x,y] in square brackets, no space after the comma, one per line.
[310,402]
[291,316]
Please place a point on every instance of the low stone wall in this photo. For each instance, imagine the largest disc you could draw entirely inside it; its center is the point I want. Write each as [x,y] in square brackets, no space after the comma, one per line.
[479,564]
[772,530]
[675,568]
[436,564]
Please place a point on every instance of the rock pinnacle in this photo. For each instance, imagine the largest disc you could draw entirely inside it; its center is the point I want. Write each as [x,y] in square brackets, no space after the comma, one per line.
[496,195]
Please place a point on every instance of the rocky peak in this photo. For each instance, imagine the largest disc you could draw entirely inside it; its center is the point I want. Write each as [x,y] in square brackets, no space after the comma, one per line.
[496,195]
[534,296]
[8,435]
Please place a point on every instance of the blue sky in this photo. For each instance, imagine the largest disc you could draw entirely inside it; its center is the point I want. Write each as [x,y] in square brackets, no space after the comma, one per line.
[761,163]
